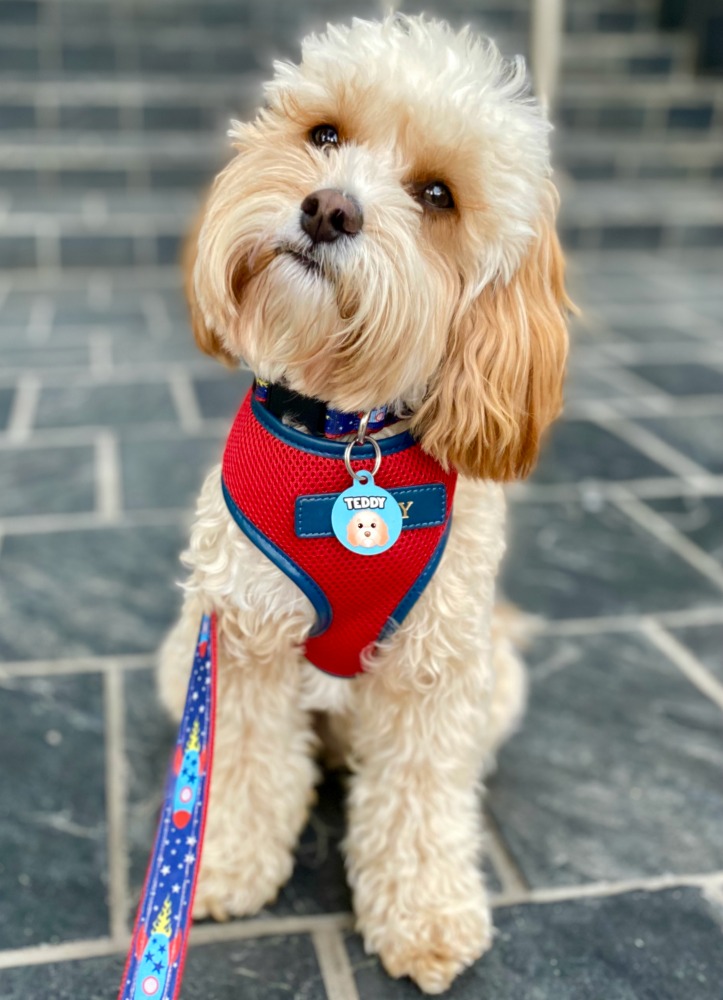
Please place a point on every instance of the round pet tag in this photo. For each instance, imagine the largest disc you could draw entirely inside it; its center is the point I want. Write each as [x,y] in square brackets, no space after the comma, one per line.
[365,518]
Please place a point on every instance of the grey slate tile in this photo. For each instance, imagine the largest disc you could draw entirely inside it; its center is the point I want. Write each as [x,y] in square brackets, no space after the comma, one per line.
[683,379]
[107,405]
[20,354]
[137,346]
[639,946]
[691,116]
[699,518]
[52,824]
[615,772]
[221,397]
[16,115]
[578,449]
[7,397]
[166,472]
[46,481]
[86,593]
[568,562]
[96,251]
[267,968]
[706,643]
[630,236]
[17,251]
[89,117]
[653,333]
[699,438]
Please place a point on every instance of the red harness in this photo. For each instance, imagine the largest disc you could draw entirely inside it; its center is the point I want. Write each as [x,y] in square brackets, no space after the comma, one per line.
[278,482]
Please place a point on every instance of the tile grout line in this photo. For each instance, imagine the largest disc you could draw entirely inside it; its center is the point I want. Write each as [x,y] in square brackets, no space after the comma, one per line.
[108,479]
[583,489]
[600,890]
[240,930]
[70,951]
[661,529]
[687,663]
[635,385]
[642,408]
[68,437]
[625,623]
[40,321]
[115,783]
[100,355]
[43,524]
[647,443]
[508,871]
[269,927]
[82,665]
[335,966]
[24,408]
[185,401]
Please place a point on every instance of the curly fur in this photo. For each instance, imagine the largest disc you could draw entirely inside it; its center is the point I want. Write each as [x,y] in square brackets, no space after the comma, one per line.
[457,315]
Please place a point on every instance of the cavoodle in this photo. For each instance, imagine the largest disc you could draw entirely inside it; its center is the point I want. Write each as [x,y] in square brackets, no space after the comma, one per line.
[382,242]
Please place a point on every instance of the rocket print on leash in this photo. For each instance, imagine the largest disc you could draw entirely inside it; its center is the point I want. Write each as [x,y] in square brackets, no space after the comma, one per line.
[156,955]
[160,937]
[189,767]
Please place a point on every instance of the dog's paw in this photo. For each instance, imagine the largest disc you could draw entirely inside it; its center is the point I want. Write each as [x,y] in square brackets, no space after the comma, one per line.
[433,948]
[240,890]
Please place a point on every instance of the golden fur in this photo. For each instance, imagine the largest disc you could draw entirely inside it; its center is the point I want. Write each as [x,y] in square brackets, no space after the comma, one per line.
[456,315]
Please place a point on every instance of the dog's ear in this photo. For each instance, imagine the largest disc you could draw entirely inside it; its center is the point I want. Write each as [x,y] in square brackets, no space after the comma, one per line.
[206,339]
[351,532]
[500,383]
[383,532]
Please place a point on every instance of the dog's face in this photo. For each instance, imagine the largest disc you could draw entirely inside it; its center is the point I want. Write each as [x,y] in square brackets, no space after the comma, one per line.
[386,234]
[367,529]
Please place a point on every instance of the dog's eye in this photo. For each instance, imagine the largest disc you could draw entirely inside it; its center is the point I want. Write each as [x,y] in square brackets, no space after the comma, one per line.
[374,524]
[436,195]
[324,135]
[359,524]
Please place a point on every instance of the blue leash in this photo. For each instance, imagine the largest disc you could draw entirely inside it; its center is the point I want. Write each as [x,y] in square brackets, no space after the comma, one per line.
[154,967]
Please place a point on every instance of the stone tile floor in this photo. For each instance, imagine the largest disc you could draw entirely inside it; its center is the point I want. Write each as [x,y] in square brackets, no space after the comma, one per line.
[605,850]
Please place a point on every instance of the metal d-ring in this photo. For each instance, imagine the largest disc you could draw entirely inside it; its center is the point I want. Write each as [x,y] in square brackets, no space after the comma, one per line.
[362,428]
[377,457]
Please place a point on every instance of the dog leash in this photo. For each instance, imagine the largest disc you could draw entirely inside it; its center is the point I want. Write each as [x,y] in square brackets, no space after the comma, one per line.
[154,967]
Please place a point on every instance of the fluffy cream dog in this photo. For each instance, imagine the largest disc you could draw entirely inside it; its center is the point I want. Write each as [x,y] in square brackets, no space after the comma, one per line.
[443,296]
[367,530]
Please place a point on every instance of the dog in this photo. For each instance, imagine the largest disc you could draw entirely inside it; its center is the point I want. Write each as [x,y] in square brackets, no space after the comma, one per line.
[367,530]
[384,235]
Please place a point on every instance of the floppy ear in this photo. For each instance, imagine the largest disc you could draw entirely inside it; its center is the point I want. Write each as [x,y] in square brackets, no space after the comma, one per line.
[208,341]
[500,383]
[351,532]
[383,532]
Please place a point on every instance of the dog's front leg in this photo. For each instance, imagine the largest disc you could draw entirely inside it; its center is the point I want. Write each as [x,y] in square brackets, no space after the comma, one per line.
[263,771]
[413,847]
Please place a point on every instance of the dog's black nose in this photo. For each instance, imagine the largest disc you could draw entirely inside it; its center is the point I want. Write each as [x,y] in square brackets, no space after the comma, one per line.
[328,214]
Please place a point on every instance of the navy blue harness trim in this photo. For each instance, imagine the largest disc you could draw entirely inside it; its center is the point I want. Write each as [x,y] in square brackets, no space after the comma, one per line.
[307,585]
[327,449]
[416,590]
[278,557]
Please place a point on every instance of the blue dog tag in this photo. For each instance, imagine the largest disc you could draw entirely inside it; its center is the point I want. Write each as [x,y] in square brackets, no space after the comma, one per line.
[365,518]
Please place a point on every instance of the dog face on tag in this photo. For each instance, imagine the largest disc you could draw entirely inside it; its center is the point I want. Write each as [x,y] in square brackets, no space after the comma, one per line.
[367,529]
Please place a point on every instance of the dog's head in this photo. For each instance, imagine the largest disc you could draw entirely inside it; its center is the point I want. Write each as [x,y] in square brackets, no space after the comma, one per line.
[385,234]
[367,529]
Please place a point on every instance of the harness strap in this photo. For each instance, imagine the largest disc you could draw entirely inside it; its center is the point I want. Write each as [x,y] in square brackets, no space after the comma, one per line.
[154,967]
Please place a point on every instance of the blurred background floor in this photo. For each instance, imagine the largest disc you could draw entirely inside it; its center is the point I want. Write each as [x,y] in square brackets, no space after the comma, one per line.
[605,853]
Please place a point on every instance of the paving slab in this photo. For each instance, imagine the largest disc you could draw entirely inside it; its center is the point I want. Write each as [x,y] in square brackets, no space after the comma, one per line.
[639,946]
